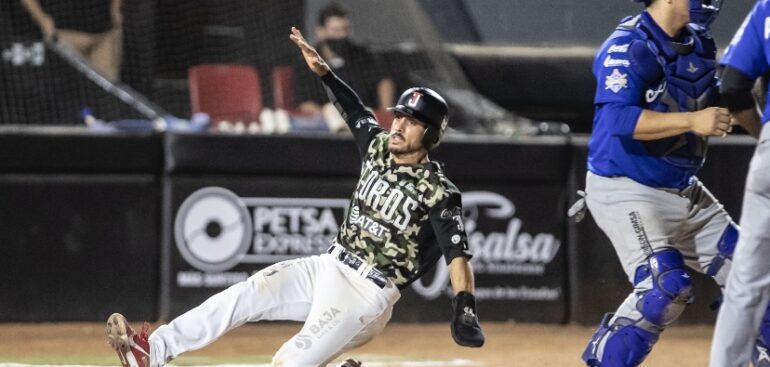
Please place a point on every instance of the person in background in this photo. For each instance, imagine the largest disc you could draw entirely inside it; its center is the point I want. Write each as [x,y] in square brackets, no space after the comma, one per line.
[348,60]
[92,27]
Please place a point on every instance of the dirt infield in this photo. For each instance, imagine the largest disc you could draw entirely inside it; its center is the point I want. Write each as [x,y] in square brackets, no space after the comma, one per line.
[508,344]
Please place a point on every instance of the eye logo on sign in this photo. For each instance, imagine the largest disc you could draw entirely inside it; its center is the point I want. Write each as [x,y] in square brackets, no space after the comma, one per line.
[213,229]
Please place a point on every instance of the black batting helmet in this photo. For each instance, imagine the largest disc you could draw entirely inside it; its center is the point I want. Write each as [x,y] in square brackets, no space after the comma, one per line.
[427,106]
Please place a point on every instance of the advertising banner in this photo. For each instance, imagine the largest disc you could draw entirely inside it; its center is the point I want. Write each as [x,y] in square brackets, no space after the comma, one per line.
[225,229]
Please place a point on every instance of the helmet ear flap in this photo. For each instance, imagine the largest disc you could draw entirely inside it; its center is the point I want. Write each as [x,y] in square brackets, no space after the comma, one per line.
[430,138]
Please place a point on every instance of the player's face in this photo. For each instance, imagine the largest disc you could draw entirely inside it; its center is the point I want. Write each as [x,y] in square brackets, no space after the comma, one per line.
[682,9]
[405,135]
[336,28]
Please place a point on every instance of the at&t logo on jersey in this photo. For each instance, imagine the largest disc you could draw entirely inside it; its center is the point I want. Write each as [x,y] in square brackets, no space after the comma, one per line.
[374,228]
[215,230]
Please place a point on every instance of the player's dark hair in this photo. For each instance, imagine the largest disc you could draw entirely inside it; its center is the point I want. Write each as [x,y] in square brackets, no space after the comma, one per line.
[647,3]
[331,10]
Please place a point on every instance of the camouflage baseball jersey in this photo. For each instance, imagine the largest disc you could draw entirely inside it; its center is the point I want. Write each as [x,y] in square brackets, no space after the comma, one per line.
[401,218]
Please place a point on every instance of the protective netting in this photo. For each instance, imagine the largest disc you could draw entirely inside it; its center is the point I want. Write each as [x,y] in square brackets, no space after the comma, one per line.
[133,60]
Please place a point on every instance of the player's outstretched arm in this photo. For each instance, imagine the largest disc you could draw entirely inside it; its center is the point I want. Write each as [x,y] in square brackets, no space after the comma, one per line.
[360,121]
[44,21]
[465,327]
[314,61]
[712,121]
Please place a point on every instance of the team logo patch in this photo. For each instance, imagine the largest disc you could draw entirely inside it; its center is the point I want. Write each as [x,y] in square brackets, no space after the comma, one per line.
[616,81]
[692,68]
[456,239]
[651,94]
[414,99]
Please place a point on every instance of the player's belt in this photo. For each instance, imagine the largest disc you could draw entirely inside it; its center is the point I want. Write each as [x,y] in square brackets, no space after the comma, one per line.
[360,266]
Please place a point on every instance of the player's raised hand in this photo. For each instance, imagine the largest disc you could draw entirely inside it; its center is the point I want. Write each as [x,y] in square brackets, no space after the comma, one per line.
[314,61]
[712,121]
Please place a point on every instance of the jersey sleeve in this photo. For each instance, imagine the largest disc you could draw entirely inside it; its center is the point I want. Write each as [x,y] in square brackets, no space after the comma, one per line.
[620,68]
[747,51]
[359,119]
[447,221]
[624,68]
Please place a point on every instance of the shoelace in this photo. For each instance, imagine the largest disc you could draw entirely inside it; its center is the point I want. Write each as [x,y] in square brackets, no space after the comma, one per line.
[140,343]
[144,330]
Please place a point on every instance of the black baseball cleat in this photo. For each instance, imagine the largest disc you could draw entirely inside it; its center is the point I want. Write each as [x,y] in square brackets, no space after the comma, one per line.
[350,362]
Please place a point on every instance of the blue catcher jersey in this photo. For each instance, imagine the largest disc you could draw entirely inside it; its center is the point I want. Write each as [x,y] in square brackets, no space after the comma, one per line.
[641,67]
[748,51]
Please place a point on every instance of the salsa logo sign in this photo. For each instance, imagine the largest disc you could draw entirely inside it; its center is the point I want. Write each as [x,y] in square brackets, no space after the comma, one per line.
[500,245]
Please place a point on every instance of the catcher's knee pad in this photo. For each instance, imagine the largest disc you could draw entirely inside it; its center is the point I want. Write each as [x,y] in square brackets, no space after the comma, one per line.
[726,247]
[620,344]
[671,288]
[764,327]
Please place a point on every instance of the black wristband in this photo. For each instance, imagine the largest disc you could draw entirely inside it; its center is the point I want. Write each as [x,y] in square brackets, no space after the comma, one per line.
[735,89]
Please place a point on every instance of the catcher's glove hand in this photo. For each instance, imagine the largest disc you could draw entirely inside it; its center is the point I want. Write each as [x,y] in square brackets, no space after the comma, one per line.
[465,327]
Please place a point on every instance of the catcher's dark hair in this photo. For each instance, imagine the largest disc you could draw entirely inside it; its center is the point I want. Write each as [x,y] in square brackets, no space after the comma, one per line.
[331,10]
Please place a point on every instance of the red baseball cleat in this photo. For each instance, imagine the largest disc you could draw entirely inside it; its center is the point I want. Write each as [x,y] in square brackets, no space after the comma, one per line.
[132,348]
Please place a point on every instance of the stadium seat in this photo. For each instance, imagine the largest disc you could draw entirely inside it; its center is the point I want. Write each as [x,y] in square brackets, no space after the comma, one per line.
[384,118]
[226,92]
[283,95]
[283,92]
